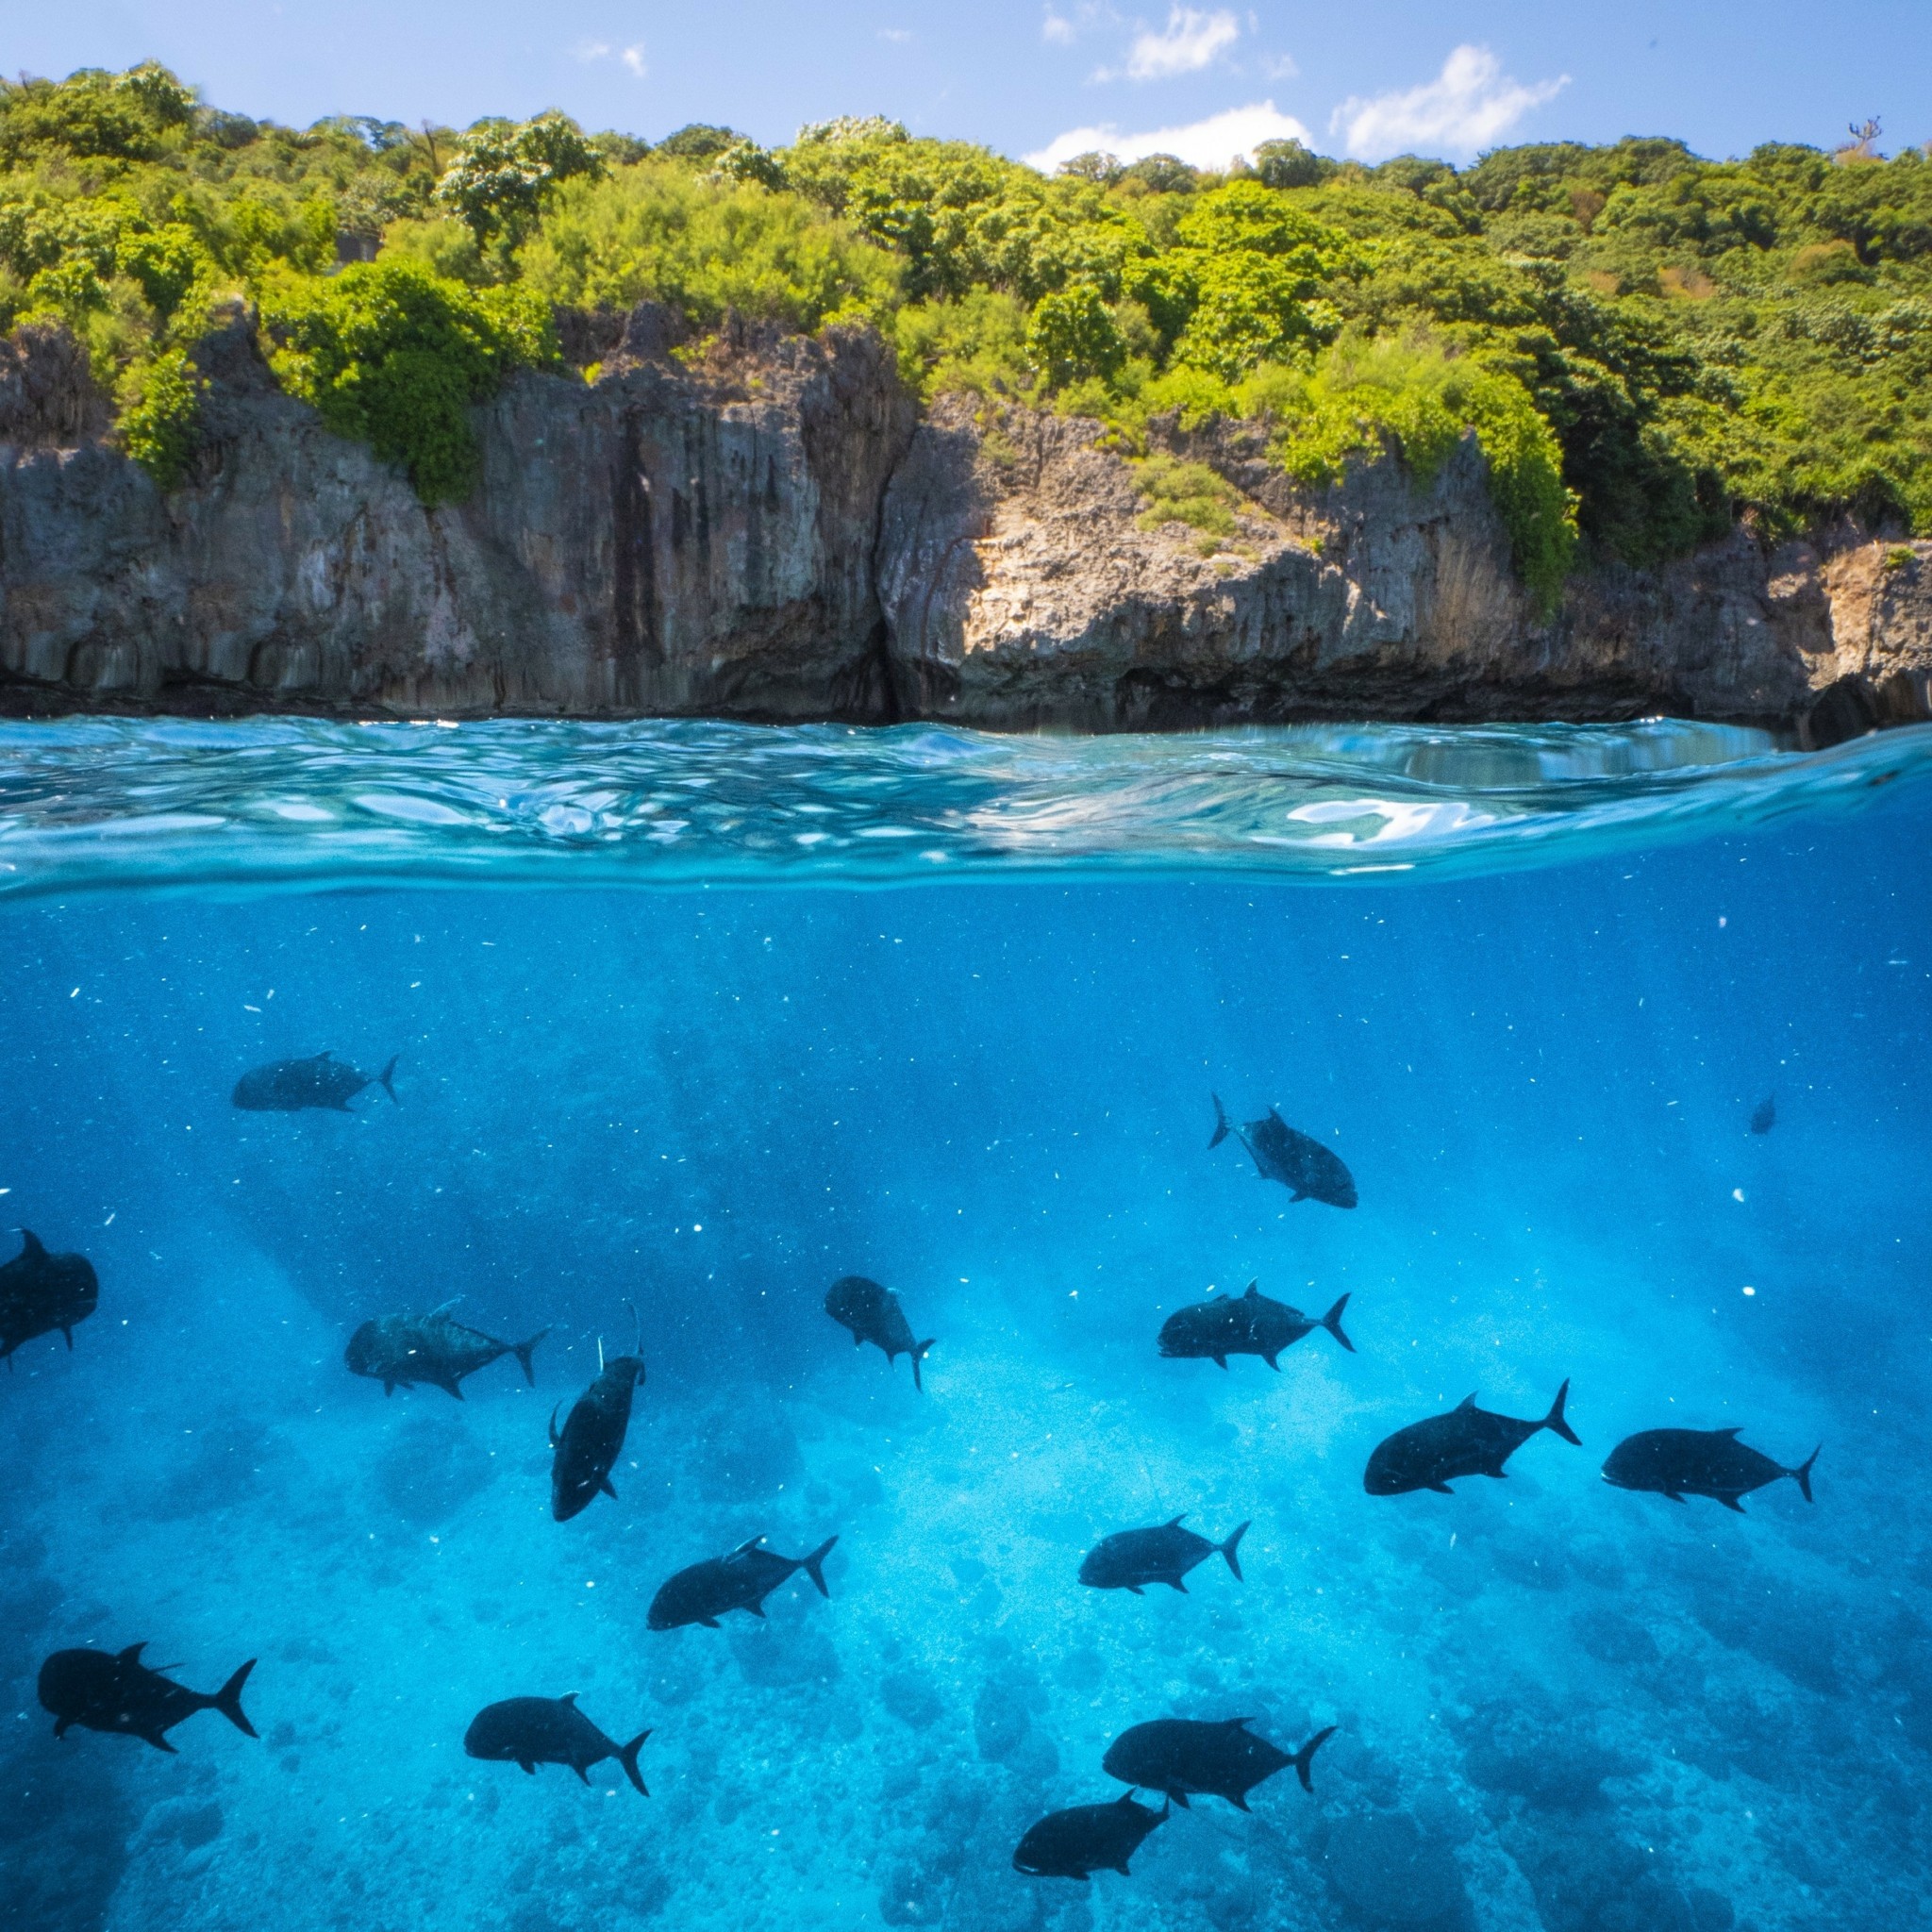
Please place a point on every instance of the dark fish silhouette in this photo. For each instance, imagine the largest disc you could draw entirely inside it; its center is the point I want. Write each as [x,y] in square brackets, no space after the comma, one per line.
[1253,1325]
[1180,1757]
[594,1433]
[1764,1115]
[41,1292]
[530,1731]
[290,1086]
[399,1351]
[1698,1462]
[1305,1167]
[1467,1442]
[1130,1558]
[1087,1839]
[872,1313]
[740,1581]
[108,1691]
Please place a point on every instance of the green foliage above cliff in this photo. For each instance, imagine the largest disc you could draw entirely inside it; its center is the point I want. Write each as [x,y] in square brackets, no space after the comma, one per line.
[1644,344]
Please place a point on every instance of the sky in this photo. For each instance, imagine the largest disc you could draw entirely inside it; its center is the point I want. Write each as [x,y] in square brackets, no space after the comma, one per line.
[1043,79]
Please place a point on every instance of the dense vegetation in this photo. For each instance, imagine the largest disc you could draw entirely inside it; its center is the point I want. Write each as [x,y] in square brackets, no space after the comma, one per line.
[1644,343]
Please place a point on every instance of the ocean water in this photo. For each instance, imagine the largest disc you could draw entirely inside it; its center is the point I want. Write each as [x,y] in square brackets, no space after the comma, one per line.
[690,1021]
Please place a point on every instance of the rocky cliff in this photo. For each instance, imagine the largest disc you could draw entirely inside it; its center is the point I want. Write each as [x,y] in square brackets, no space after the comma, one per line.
[770,533]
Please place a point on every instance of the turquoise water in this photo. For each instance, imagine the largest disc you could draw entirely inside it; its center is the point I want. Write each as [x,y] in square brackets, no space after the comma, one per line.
[694,1020]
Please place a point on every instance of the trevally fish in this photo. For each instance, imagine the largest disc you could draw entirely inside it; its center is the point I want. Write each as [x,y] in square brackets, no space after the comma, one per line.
[1253,1325]
[1086,1839]
[872,1313]
[593,1432]
[1184,1758]
[1165,1554]
[529,1732]
[1764,1115]
[1698,1462]
[321,1081]
[113,1691]
[399,1351]
[740,1581]
[1469,1440]
[41,1292]
[1305,1167]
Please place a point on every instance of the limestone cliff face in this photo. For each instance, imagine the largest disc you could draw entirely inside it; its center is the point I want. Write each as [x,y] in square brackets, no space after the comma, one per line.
[770,534]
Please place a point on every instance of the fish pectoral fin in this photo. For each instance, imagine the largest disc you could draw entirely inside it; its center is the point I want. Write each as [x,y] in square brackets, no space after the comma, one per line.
[1674,1495]
[1731,1502]
[583,1774]
[1175,1583]
[1441,1489]
[710,1623]
[1273,1363]
[453,1386]
[604,1483]
[1180,1798]
[756,1610]
[1221,1361]
[1137,1590]
[528,1769]
[1237,1799]
[159,1743]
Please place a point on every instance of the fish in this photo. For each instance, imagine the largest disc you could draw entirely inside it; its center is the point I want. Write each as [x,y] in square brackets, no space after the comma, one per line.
[1467,1442]
[399,1351]
[1182,1758]
[1165,1554]
[1087,1839]
[321,1081]
[1305,1167]
[583,1454]
[872,1313]
[41,1292]
[529,1732]
[1251,1325]
[1699,1462]
[113,1691]
[1764,1115]
[740,1581]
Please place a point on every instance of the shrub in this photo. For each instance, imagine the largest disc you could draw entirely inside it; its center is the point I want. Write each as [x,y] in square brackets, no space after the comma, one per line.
[503,173]
[1073,334]
[1189,493]
[161,403]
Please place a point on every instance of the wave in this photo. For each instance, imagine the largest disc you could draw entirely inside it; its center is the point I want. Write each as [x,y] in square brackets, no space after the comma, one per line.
[283,804]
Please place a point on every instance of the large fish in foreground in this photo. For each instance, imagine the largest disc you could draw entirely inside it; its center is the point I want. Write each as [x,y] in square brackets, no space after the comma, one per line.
[1086,1839]
[399,1351]
[41,1292]
[113,1691]
[320,1081]
[1469,1440]
[1698,1462]
[740,1581]
[1165,1554]
[872,1313]
[583,1454]
[1252,1324]
[529,1732]
[1305,1167]
[1184,1758]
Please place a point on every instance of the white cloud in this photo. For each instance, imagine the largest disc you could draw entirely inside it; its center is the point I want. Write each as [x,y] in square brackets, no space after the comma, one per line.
[1279,66]
[1190,42]
[1468,106]
[588,51]
[1059,29]
[633,57]
[1210,143]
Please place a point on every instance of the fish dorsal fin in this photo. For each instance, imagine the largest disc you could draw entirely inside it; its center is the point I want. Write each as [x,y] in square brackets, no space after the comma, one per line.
[569,1697]
[1733,1433]
[327,1053]
[1274,1115]
[1467,1401]
[132,1654]
[1254,1290]
[31,1242]
[1125,1800]
[1236,1724]
[442,1308]
[1175,1521]
[745,1548]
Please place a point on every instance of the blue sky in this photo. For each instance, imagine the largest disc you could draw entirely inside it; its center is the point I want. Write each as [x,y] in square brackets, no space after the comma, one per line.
[1041,77]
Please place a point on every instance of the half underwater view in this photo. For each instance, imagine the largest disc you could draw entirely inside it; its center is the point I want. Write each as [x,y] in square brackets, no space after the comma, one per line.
[703,1326]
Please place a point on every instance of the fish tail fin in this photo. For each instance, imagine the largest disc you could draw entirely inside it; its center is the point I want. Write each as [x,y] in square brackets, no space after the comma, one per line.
[919,1349]
[1220,1121]
[227,1700]
[628,1756]
[1306,1756]
[1231,1551]
[814,1564]
[524,1350]
[1332,1322]
[1802,1475]
[1555,1418]
[388,1077]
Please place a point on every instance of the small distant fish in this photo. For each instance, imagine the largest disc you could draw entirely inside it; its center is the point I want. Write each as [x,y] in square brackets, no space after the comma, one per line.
[113,1691]
[872,1313]
[1165,1554]
[1184,1757]
[1251,1325]
[1305,1167]
[290,1086]
[529,1732]
[41,1292]
[1087,1839]
[399,1351]
[740,1581]
[1764,1115]
[1698,1462]
[1467,1442]
[594,1433]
